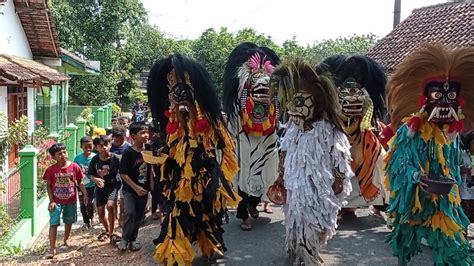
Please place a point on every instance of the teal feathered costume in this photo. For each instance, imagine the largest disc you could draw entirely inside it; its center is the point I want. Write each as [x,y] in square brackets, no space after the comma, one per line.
[427,144]
[418,214]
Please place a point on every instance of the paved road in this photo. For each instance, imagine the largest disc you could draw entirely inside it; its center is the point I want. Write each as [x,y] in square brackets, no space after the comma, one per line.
[359,241]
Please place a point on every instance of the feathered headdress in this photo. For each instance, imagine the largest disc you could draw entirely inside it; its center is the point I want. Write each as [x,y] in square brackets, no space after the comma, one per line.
[405,90]
[296,75]
[366,72]
[246,57]
[191,73]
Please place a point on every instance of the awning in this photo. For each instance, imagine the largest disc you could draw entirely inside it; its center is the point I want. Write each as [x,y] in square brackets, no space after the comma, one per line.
[22,69]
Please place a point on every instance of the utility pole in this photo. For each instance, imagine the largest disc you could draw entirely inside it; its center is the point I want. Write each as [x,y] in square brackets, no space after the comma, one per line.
[396,12]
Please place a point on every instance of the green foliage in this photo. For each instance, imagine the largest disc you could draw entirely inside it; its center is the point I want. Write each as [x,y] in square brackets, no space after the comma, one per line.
[101,30]
[212,50]
[354,44]
[87,115]
[136,95]
[3,145]
[8,250]
[117,34]
[6,223]
[116,110]
[93,90]
[292,49]
[18,132]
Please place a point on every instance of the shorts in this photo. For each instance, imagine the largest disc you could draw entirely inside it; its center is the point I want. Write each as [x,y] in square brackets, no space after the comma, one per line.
[69,212]
[104,195]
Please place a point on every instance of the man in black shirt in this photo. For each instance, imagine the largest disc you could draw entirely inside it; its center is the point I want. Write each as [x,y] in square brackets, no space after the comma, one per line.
[133,171]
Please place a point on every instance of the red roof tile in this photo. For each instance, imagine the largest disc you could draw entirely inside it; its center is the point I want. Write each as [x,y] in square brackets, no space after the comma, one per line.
[25,69]
[448,23]
[39,27]
[14,71]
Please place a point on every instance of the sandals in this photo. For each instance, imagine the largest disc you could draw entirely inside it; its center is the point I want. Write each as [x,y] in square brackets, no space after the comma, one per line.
[103,237]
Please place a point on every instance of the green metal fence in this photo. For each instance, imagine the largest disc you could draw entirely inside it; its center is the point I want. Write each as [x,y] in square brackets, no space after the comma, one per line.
[29,216]
[73,111]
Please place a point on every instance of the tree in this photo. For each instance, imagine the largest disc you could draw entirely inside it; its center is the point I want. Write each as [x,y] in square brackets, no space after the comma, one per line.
[100,30]
[355,44]
[292,49]
[212,49]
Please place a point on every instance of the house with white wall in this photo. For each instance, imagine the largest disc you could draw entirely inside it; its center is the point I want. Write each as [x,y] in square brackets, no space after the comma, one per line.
[34,70]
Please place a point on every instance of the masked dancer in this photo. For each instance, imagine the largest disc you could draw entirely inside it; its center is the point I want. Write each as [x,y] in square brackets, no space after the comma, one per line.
[198,187]
[252,116]
[430,98]
[360,83]
[317,169]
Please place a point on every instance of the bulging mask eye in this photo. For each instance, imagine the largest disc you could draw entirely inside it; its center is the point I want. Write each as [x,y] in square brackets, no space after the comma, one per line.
[452,95]
[436,95]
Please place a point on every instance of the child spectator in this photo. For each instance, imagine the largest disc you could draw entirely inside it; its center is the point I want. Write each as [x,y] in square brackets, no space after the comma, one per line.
[104,171]
[119,145]
[133,171]
[83,160]
[125,122]
[62,180]
[114,122]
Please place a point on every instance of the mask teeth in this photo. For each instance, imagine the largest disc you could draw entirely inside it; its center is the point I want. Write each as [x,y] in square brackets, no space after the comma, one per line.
[434,113]
[453,113]
[243,99]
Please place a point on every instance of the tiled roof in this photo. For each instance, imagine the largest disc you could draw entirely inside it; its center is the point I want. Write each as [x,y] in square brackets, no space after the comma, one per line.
[39,27]
[22,69]
[451,24]
[14,71]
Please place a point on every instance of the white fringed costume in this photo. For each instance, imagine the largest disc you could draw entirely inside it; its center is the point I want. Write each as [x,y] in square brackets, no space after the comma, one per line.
[312,207]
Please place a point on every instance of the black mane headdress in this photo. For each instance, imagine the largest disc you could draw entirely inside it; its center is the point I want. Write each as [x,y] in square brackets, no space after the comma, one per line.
[367,72]
[204,90]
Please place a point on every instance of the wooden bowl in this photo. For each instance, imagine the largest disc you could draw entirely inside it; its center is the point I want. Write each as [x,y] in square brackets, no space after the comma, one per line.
[437,184]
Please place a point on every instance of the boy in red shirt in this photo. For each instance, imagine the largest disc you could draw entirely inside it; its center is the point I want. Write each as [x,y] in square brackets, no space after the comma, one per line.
[62,179]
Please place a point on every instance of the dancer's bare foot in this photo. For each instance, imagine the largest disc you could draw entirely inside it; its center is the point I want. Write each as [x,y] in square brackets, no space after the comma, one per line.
[267,209]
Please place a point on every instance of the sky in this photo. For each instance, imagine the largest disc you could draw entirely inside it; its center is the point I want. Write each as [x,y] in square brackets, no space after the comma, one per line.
[308,21]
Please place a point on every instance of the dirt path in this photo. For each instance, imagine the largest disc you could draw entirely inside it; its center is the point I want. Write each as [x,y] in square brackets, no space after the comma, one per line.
[87,249]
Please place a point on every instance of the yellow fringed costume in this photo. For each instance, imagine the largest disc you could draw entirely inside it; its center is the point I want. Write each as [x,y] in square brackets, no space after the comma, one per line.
[198,164]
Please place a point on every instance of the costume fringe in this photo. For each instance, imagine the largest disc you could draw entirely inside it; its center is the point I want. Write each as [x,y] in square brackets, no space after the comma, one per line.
[198,192]
[312,207]
[417,214]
